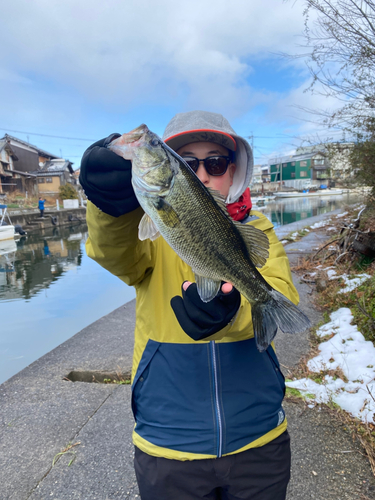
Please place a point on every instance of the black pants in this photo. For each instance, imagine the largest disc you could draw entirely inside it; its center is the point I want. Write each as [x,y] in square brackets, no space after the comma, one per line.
[41,212]
[256,474]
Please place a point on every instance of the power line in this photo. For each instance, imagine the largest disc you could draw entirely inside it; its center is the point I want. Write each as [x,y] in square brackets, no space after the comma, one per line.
[46,135]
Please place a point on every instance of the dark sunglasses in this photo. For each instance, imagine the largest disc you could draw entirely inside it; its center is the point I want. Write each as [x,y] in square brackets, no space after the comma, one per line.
[214,165]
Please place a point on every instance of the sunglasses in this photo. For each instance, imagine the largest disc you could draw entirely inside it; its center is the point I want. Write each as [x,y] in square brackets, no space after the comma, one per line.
[214,165]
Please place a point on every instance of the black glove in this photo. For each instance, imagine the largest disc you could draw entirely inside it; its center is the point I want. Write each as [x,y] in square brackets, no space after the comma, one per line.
[201,319]
[106,179]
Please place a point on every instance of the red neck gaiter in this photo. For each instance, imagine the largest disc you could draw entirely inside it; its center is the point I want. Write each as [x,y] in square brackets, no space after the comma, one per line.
[241,208]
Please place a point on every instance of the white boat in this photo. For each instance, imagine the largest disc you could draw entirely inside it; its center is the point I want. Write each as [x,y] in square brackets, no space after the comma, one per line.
[298,194]
[260,200]
[7,231]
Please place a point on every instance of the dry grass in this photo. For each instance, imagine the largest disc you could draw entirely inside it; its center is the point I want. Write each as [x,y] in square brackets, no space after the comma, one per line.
[16,199]
[361,302]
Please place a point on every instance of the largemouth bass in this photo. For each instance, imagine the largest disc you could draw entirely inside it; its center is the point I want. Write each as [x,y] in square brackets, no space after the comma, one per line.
[194,221]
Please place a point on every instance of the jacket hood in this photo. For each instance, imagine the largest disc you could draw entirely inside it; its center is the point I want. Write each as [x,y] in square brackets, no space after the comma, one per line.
[199,126]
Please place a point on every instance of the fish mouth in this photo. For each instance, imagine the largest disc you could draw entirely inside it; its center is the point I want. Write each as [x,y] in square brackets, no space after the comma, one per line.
[135,134]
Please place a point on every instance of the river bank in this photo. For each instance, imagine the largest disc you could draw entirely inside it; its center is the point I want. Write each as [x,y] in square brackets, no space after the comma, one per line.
[42,412]
[31,221]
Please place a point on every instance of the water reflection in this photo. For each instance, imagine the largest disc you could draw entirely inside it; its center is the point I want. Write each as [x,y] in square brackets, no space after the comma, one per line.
[50,290]
[288,210]
[39,260]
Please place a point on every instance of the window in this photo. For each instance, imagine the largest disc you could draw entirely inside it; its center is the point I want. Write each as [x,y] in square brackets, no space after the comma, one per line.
[293,164]
[285,165]
[303,163]
[293,175]
[41,180]
[48,179]
[303,173]
[319,161]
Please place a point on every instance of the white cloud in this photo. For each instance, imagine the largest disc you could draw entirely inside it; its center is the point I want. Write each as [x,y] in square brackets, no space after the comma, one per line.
[125,53]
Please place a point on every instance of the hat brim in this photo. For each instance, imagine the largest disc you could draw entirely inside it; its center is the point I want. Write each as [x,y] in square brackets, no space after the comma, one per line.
[202,135]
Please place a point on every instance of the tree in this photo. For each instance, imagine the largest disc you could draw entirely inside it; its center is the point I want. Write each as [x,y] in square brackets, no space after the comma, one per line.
[67,192]
[341,57]
[340,38]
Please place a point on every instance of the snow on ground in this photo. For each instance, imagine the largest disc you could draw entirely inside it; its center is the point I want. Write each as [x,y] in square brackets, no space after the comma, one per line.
[320,224]
[351,283]
[341,215]
[347,350]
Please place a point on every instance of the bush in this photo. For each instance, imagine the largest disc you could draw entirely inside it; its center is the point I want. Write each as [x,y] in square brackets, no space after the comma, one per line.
[68,192]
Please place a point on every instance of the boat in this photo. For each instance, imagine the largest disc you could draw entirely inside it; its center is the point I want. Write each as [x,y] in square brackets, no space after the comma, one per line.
[8,250]
[261,200]
[7,229]
[299,194]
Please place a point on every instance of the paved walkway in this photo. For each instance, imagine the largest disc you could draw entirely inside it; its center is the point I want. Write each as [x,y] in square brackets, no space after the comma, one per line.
[41,413]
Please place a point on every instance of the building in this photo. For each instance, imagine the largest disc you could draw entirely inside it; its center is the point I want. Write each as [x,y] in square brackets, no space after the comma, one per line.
[11,179]
[31,170]
[52,175]
[301,170]
[338,158]
[257,174]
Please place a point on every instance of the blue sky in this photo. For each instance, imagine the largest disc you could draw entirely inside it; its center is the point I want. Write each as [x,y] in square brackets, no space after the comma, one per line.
[85,69]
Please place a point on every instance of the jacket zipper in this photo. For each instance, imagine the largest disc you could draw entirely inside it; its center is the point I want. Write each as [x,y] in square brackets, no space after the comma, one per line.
[216,401]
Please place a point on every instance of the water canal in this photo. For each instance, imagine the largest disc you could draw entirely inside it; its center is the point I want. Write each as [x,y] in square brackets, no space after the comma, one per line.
[50,289]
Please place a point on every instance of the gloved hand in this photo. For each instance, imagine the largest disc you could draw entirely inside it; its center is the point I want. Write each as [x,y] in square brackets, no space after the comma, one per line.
[202,319]
[106,179]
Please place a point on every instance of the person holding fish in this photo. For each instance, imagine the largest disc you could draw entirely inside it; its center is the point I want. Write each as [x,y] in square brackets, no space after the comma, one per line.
[173,218]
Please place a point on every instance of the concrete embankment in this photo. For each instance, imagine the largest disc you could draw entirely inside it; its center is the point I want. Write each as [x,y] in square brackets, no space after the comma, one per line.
[41,413]
[30,220]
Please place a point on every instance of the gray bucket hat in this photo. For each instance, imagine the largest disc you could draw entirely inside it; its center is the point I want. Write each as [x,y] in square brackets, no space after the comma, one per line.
[199,126]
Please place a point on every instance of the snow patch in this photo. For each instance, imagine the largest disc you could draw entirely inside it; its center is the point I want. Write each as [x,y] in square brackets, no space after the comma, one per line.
[347,350]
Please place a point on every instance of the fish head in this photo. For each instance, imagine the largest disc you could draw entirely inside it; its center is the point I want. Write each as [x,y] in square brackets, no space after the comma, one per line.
[153,166]
[127,144]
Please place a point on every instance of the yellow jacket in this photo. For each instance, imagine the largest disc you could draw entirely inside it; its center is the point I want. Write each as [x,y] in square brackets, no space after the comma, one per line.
[191,399]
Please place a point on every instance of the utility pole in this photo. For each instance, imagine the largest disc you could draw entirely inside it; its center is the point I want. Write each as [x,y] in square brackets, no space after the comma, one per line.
[252,141]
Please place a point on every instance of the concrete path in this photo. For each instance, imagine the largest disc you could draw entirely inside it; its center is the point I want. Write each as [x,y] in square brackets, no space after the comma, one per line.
[41,413]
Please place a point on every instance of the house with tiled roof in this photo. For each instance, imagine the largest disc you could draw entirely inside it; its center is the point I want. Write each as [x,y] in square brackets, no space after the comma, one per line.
[27,168]
[53,174]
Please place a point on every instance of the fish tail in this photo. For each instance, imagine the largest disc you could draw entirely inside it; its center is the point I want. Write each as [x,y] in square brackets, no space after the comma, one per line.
[277,312]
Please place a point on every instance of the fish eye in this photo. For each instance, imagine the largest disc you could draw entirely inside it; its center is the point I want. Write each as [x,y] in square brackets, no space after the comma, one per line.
[154,142]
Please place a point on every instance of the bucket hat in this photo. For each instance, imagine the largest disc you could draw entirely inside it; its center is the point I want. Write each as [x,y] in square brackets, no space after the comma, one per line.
[204,126]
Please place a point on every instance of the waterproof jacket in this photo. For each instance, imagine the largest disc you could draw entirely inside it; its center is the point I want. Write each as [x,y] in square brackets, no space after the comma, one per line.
[192,400]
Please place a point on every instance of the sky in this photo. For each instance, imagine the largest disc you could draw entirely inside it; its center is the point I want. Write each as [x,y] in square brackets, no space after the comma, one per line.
[74,72]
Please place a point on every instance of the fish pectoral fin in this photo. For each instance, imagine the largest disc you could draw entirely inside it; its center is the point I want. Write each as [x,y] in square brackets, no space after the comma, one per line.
[256,242]
[207,287]
[166,212]
[147,229]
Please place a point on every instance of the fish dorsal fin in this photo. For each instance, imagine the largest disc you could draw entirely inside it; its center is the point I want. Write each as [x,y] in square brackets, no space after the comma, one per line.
[147,229]
[219,198]
[256,241]
[207,287]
